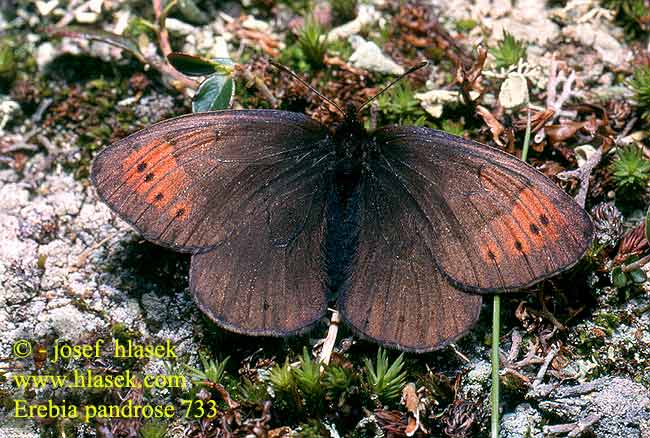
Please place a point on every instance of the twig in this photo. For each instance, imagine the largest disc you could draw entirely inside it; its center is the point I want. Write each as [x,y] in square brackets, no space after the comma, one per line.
[70,13]
[455,349]
[553,102]
[626,130]
[515,347]
[260,85]
[542,370]
[161,16]
[583,174]
[573,429]
[81,260]
[42,107]
[636,265]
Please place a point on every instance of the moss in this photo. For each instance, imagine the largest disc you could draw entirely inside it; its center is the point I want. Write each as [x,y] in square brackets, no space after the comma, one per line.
[466,25]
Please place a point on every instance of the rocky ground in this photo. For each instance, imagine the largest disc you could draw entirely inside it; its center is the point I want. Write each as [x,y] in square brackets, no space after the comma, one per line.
[575,349]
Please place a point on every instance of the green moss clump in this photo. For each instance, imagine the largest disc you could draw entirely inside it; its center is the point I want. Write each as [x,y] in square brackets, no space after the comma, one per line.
[312,42]
[631,173]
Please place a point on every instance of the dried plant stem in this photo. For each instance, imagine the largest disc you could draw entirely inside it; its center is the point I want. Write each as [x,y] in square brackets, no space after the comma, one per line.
[636,265]
[178,80]
[161,16]
[330,339]
[583,174]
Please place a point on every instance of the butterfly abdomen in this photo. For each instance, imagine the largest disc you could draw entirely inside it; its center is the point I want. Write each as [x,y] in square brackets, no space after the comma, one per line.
[341,240]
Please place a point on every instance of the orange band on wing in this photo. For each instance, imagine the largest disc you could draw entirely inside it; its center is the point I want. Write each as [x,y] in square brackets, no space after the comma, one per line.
[153,172]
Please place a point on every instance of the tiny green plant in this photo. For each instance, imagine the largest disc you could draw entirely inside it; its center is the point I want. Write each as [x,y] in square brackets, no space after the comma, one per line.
[508,51]
[400,106]
[631,172]
[338,381]
[281,378]
[213,371]
[313,42]
[308,380]
[640,84]
[253,393]
[385,379]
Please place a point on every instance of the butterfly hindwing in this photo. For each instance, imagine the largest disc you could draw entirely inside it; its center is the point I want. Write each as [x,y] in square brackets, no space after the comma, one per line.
[496,224]
[395,293]
[262,281]
[189,182]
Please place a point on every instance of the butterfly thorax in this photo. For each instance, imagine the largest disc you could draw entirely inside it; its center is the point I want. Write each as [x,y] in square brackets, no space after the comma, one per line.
[351,142]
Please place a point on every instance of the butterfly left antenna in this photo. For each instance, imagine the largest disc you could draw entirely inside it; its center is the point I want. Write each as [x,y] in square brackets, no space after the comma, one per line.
[302,81]
[406,73]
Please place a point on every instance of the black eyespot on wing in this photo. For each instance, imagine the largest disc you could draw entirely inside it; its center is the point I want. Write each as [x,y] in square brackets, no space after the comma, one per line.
[187,183]
[484,209]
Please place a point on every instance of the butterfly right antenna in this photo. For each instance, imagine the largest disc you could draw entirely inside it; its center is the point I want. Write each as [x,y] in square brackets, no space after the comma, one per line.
[408,72]
[302,81]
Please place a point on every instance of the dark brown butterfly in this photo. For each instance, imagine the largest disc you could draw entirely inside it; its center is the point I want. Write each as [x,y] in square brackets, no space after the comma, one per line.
[283,215]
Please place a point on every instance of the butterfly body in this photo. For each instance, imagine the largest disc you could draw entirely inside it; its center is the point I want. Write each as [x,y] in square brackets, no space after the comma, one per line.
[283,215]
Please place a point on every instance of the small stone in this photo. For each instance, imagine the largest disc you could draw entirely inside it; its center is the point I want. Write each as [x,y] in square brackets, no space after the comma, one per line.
[46,8]
[433,101]
[600,38]
[514,91]
[45,53]
[366,15]
[86,17]
[368,56]
[178,26]
[621,404]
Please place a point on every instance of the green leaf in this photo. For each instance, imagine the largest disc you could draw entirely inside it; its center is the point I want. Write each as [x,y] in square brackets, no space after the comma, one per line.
[92,34]
[191,12]
[197,66]
[215,93]
[638,276]
[619,279]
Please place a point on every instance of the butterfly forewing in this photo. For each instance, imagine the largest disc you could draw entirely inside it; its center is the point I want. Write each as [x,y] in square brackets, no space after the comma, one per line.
[396,294]
[495,223]
[189,182]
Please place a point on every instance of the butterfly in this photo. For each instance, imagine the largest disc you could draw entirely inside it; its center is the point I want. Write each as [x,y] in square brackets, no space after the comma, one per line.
[283,216]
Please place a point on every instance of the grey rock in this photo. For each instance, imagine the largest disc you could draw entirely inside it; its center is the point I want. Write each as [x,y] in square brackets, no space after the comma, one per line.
[524,422]
[621,406]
